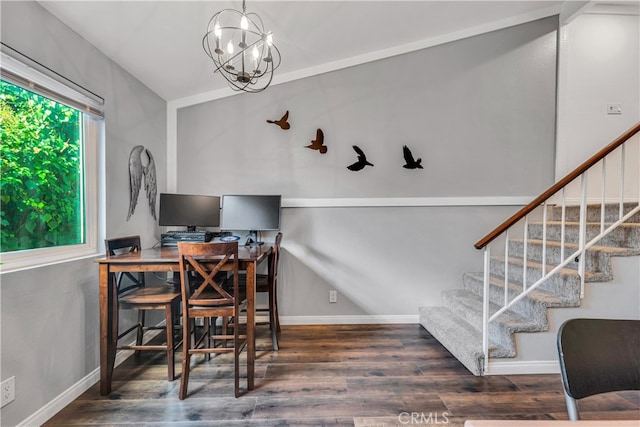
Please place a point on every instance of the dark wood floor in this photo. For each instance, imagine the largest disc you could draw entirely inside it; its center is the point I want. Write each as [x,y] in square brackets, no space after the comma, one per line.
[351,375]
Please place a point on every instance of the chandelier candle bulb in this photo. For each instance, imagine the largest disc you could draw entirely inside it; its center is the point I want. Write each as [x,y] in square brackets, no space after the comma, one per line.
[245,26]
[256,57]
[218,33]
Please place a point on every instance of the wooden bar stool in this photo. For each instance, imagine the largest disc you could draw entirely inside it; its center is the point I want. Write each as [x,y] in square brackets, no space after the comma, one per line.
[133,294]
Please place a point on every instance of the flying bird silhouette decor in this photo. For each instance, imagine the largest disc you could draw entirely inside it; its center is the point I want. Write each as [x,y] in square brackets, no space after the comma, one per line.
[318,143]
[283,123]
[136,172]
[410,163]
[362,160]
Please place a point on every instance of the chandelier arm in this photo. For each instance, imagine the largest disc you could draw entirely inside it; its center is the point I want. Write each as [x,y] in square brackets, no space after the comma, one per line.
[250,17]
[274,47]
[206,46]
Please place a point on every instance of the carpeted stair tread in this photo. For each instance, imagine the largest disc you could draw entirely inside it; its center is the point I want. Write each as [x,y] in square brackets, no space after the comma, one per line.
[539,295]
[589,276]
[612,250]
[626,234]
[612,212]
[533,305]
[598,257]
[467,304]
[459,337]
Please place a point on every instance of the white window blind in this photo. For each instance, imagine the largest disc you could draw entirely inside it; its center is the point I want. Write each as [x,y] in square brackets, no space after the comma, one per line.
[29,74]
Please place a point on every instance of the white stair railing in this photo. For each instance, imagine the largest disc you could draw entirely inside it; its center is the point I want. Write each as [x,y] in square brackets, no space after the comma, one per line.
[536,215]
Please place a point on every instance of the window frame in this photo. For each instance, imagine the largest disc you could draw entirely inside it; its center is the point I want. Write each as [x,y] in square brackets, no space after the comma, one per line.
[28,74]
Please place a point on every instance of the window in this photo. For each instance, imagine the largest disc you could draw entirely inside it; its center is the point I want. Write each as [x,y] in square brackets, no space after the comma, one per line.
[42,172]
[49,139]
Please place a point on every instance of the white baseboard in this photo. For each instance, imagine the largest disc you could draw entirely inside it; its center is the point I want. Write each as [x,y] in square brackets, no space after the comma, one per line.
[348,320]
[47,412]
[523,367]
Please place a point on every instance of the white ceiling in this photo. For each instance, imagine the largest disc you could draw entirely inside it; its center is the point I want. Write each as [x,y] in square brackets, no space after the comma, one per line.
[160,42]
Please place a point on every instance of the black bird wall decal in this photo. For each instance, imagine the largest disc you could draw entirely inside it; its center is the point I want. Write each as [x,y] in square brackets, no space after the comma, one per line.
[318,143]
[410,162]
[362,160]
[283,123]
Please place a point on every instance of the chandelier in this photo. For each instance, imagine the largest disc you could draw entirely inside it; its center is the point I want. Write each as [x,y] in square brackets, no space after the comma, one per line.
[241,50]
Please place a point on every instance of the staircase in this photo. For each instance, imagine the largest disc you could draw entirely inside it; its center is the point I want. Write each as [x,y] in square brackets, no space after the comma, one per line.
[541,258]
[457,324]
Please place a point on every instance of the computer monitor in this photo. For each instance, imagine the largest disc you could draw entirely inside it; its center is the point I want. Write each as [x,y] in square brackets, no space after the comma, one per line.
[252,213]
[188,210]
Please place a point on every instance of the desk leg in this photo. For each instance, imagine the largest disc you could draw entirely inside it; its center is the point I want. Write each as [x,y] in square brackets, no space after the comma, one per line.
[251,324]
[107,324]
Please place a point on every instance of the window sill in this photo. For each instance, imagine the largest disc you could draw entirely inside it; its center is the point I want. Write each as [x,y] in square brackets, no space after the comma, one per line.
[26,260]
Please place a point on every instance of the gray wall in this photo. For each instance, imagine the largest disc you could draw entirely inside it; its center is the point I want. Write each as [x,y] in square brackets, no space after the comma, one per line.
[466,108]
[50,322]
[480,112]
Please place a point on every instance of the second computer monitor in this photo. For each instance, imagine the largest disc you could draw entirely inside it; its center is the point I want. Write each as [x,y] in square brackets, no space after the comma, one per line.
[251,213]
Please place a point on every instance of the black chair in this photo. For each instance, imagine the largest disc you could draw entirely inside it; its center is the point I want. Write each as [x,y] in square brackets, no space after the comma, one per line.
[598,356]
[133,294]
[204,296]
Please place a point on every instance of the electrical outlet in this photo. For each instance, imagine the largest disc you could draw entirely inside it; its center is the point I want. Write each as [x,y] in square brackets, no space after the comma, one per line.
[615,109]
[333,296]
[8,388]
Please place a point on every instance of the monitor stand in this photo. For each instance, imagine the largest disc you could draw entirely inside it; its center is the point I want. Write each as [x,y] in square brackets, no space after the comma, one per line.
[252,240]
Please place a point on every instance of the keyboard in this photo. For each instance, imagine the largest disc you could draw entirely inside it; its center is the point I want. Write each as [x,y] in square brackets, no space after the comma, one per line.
[173,237]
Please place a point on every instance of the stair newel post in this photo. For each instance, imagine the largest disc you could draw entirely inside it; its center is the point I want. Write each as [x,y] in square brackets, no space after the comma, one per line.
[506,268]
[544,238]
[562,223]
[485,309]
[583,230]
[524,253]
[622,162]
[603,194]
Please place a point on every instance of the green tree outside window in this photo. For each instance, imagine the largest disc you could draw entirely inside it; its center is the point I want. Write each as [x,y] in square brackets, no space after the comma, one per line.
[41,190]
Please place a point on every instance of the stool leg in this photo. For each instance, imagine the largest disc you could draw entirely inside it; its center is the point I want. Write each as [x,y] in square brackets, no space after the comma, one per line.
[186,358]
[170,344]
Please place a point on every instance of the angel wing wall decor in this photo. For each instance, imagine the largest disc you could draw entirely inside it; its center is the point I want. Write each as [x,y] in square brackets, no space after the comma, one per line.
[150,183]
[136,172]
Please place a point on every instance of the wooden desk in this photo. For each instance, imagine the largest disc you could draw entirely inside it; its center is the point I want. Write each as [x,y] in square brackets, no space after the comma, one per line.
[165,260]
